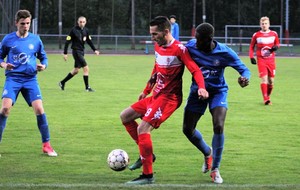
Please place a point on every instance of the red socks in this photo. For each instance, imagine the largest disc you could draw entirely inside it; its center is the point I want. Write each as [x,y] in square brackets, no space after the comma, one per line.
[264,91]
[270,88]
[131,128]
[145,146]
[146,152]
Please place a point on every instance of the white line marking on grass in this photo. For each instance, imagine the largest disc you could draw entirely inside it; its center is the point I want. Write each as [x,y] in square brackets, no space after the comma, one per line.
[113,185]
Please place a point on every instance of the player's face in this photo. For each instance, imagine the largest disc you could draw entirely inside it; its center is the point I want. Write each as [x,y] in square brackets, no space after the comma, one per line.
[158,36]
[204,43]
[81,22]
[265,25]
[23,25]
[172,20]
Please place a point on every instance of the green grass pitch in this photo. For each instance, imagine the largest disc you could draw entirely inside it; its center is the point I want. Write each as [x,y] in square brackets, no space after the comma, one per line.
[261,142]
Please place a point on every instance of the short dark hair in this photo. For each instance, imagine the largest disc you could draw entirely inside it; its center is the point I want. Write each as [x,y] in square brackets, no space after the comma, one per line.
[172,16]
[205,30]
[162,23]
[22,14]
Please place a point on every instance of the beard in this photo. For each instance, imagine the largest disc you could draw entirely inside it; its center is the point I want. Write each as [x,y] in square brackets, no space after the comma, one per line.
[161,41]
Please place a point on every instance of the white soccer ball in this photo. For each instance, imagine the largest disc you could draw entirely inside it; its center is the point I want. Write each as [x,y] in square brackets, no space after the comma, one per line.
[118,160]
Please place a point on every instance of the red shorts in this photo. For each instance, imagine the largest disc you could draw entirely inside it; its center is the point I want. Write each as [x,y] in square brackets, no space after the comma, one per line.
[266,67]
[156,110]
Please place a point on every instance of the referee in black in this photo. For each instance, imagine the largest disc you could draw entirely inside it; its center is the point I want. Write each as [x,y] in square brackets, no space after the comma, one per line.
[78,36]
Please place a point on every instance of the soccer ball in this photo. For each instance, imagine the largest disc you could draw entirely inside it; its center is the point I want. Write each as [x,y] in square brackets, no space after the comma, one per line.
[118,160]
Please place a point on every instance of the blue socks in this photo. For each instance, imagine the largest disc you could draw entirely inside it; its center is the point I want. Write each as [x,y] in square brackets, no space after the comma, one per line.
[41,121]
[217,146]
[197,140]
[3,120]
[43,127]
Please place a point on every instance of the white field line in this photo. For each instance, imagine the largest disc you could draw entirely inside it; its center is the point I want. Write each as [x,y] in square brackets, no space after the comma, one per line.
[114,185]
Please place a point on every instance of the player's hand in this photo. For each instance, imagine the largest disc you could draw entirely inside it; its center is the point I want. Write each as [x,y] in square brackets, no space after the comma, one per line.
[7,66]
[203,94]
[243,81]
[274,48]
[65,57]
[142,96]
[253,61]
[97,52]
[40,67]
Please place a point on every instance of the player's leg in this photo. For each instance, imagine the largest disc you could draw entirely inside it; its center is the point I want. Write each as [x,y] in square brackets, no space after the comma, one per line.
[157,111]
[190,120]
[5,110]
[83,64]
[270,86]
[8,99]
[86,79]
[218,109]
[72,73]
[264,89]
[193,111]
[69,76]
[270,79]
[146,154]
[218,117]
[128,117]
[32,94]
[263,75]
[42,124]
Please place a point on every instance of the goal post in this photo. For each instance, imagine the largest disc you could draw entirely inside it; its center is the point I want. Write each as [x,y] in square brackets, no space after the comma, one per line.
[250,29]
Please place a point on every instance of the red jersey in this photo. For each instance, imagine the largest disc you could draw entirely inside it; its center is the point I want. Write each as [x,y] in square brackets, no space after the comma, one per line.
[263,41]
[166,77]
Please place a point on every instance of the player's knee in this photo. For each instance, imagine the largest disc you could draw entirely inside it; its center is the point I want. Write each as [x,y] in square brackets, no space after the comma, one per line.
[188,132]
[5,111]
[123,116]
[218,129]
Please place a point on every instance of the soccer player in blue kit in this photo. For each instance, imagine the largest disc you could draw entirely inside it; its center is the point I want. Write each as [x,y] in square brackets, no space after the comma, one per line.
[21,48]
[212,58]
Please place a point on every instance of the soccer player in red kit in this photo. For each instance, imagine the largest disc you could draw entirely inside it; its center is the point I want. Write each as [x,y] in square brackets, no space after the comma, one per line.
[266,42]
[166,86]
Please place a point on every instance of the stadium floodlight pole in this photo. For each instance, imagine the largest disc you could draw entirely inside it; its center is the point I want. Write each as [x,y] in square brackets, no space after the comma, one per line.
[194,18]
[287,22]
[59,22]
[203,11]
[35,20]
[132,24]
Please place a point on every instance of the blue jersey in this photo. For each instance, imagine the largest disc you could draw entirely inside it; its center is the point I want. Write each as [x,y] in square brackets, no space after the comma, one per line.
[213,65]
[22,53]
[175,30]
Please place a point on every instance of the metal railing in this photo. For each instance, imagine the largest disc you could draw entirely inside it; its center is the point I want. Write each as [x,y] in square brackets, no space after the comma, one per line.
[127,44]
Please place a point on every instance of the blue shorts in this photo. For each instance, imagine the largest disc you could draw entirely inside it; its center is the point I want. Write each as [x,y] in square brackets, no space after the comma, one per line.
[28,87]
[216,99]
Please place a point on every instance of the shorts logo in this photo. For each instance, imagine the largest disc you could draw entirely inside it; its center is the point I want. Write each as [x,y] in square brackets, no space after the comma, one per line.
[4,92]
[157,114]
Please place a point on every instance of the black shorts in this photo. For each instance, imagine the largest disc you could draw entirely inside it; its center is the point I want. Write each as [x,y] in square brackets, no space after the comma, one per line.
[79,58]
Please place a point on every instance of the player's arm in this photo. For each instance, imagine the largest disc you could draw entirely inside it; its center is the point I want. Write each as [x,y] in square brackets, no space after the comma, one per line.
[150,84]
[176,31]
[275,47]
[3,53]
[67,42]
[42,56]
[251,49]
[236,63]
[196,73]
[89,41]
